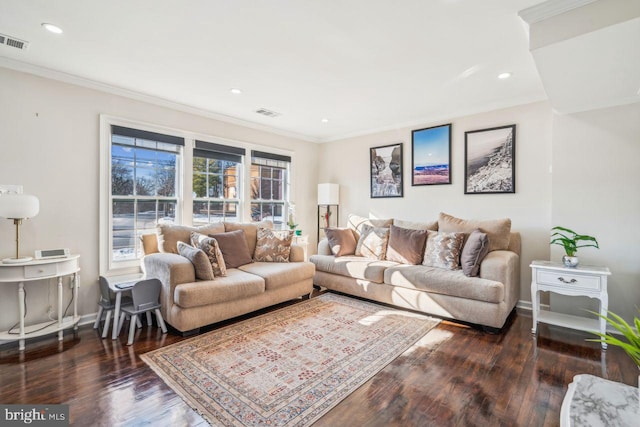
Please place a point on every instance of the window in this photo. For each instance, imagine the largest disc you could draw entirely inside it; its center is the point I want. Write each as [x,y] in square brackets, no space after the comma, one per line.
[144,187]
[269,186]
[217,173]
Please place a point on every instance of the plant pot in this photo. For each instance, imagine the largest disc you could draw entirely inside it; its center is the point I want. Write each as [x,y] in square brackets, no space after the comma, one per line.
[570,261]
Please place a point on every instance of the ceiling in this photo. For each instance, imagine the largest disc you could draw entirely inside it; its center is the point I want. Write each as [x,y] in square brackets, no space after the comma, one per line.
[365,65]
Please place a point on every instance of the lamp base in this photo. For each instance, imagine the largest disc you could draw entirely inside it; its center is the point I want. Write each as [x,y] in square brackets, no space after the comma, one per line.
[17,260]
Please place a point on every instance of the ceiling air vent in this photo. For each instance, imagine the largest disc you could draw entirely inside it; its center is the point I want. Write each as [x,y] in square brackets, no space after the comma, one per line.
[13,42]
[267,113]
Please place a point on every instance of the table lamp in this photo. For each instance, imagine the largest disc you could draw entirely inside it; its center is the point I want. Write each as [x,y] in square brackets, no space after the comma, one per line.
[18,207]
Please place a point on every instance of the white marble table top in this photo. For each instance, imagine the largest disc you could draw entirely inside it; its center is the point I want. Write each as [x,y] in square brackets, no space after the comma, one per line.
[593,401]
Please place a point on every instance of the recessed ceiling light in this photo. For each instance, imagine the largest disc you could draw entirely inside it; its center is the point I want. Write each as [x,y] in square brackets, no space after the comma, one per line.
[504,76]
[325,120]
[52,28]
[235,91]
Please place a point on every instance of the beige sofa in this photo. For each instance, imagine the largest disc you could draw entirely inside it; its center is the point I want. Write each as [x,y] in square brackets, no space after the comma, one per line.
[188,304]
[486,300]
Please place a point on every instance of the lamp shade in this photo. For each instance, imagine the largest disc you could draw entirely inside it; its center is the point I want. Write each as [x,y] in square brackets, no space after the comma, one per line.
[19,206]
[328,194]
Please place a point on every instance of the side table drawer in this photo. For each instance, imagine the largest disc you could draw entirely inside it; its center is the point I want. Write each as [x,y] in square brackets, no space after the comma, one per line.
[42,270]
[564,280]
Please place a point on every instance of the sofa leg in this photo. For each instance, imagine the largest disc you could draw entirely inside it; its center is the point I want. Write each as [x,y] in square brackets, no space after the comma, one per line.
[490,330]
[306,297]
[190,332]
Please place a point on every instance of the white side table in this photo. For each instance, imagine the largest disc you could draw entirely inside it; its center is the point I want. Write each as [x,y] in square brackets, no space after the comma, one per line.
[304,242]
[39,270]
[583,280]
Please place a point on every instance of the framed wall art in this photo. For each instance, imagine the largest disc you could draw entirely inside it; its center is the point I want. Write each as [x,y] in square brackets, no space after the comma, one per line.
[489,160]
[386,171]
[431,155]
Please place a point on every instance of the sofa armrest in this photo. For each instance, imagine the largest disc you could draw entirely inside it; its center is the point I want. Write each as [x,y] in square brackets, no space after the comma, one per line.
[171,270]
[503,267]
[324,248]
[296,254]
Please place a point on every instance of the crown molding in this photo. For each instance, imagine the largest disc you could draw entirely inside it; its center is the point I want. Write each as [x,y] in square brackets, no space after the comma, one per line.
[549,9]
[73,79]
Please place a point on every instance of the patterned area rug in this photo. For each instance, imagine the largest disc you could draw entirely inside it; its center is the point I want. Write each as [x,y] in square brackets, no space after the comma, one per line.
[290,366]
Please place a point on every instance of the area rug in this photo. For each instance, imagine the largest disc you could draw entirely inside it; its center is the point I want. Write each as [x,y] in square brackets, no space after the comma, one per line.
[290,366]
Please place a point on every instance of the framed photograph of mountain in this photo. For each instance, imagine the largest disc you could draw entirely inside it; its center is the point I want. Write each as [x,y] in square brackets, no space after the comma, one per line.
[386,171]
[490,160]
[431,155]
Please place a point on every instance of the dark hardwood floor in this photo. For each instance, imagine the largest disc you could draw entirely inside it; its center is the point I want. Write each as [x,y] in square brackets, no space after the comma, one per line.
[455,376]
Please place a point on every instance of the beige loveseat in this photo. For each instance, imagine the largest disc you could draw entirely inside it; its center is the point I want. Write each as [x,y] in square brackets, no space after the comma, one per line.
[188,304]
[485,300]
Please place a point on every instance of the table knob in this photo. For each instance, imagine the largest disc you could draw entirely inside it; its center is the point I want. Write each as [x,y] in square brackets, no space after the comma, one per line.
[563,280]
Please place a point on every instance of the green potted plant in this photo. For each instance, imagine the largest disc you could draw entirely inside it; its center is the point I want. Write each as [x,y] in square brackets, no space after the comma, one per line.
[571,241]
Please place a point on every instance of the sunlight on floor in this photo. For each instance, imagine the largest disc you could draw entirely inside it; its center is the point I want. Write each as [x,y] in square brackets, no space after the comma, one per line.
[431,340]
[370,320]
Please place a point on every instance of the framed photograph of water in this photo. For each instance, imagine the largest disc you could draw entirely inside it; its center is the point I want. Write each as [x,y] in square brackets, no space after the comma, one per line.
[431,155]
[489,160]
[386,171]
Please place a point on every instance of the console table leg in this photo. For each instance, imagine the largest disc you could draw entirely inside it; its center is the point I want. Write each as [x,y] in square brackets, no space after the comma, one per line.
[76,284]
[604,305]
[535,306]
[21,313]
[60,332]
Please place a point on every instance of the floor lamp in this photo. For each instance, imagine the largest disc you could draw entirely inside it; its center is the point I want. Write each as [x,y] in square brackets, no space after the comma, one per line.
[18,207]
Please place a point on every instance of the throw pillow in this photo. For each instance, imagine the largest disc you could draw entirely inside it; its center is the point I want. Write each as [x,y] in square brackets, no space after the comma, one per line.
[170,234]
[406,246]
[415,225]
[234,248]
[443,250]
[372,242]
[356,223]
[250,231]
[473,252]
[211,249]
[273,246]
[341,241]
[199,260]
[498,231]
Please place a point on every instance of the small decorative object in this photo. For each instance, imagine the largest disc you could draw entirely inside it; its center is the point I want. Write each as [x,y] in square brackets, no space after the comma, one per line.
[431,155]
[489,160]
[386,171]
[17,206]
[292,214]
[569,240]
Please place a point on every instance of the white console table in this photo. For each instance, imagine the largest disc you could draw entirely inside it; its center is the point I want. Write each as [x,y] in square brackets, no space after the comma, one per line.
[587,280]
[39,270]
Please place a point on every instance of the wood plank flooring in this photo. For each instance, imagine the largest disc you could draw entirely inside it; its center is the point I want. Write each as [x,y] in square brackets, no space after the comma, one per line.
[456,376]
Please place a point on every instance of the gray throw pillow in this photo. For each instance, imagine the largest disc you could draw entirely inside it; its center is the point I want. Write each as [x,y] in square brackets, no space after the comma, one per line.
[199,260]
[342,241]
[474,251]
[406,246]
[234,247]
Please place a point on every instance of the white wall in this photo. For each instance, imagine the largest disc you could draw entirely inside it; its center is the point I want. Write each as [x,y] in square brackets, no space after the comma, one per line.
[346,162]
[49,137]
[596,191]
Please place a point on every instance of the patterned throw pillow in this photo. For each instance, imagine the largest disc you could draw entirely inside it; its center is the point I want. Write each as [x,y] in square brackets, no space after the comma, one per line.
[273,245]
[210,247]
[443,250]
[199,259]
[373,242]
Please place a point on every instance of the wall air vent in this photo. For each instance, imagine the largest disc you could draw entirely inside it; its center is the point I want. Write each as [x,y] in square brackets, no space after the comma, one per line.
[13,42]
[267,113]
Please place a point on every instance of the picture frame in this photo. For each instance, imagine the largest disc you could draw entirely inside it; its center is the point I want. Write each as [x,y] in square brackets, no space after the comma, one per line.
[490,160]
[431,155]
[386,171]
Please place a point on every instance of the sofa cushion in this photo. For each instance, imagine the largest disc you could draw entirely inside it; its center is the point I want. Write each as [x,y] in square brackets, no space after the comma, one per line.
[272,245]
[372,242]
[210,247]
[445,282]
[406,246]
[279,275]
[233,246]
[475,249]
[342,241]
[416,225]
[250,230]
[199,259]
[356,267]
[234,286]
[170,234]
[498,230]
[356,223]
[443,250]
